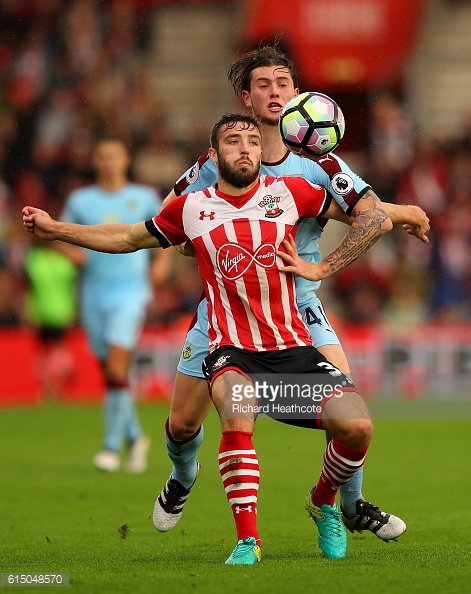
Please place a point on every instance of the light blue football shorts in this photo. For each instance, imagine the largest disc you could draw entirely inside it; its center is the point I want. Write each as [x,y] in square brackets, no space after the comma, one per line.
[196,344]
[115,322]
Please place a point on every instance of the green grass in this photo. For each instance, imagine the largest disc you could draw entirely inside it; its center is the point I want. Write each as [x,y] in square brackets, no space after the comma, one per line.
[59,514]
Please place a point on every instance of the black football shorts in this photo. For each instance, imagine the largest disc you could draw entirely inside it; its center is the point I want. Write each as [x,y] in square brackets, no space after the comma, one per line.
[291,385]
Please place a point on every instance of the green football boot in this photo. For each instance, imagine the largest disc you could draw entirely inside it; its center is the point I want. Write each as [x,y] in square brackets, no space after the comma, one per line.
[332,537]
[246,552]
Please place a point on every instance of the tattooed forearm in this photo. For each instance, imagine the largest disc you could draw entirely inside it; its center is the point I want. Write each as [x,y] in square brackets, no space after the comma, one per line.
[369,225]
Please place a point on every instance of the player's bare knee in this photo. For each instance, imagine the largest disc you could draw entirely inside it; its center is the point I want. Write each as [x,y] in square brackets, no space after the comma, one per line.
[364,431]
[181,428]
[115,375]
[359,433]
[354,433]
[116,366]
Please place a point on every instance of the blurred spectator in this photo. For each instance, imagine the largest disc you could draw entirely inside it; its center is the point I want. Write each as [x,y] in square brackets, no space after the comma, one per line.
[361,291]
[5,221]
[10,299]
[391,132]
[407,300]
[160,162]
[425,181]
[382,177]
[451,286]
[83,36]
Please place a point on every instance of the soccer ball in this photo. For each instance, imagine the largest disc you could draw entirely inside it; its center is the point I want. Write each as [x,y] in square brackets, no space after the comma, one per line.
[311,125]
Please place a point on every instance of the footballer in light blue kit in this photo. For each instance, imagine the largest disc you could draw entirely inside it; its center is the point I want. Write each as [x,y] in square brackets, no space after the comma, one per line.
[342,184]
[115,290]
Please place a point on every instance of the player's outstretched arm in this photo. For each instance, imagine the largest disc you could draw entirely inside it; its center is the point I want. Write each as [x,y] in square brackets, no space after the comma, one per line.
[113,239]
[371,221]
[414,220]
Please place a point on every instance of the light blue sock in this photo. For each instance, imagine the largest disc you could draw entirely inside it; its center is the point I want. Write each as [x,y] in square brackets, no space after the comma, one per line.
[132,428]
[183,455]
[350,493]
[119,418]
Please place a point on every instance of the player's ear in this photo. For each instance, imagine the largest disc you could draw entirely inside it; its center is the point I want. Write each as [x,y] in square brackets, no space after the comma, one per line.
[213,155]
[296,92]
[246,99]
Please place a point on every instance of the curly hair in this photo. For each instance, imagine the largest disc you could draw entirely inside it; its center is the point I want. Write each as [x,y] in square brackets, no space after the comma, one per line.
[239,72]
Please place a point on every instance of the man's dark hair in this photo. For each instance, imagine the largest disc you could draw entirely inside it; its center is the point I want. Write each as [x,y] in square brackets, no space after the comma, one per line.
[240,71]
[229,121]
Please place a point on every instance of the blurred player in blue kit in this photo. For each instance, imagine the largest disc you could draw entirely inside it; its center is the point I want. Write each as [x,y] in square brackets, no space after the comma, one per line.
[265,79]
[115,291]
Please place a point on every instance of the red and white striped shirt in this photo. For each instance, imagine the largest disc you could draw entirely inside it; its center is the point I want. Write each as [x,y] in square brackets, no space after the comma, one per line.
[251,304]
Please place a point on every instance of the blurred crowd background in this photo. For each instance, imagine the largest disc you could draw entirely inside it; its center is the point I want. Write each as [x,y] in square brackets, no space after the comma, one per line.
[72,70]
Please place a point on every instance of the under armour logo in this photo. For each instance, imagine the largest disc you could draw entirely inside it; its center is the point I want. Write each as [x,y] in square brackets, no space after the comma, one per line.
[210,215]
[233,260]
[241,509]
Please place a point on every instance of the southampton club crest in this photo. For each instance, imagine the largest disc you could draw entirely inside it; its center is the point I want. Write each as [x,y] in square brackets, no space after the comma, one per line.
[270,204]
[221,362]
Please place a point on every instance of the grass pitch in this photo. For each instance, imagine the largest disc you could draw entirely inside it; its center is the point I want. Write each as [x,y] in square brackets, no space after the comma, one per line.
[61,515]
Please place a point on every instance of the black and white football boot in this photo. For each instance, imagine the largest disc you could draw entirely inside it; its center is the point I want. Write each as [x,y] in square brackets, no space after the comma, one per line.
[169,504]
[369,517]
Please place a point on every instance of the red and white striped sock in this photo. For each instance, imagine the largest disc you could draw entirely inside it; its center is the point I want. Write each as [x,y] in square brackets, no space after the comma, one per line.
[340,464]
[238,465]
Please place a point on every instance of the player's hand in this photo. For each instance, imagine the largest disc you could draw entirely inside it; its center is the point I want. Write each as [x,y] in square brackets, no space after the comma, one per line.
[299,266]
[421,228]
[186,249]
[39,222]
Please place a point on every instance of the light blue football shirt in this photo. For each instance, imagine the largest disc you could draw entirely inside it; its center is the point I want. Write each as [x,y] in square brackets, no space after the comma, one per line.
[109,275]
